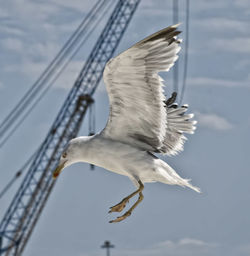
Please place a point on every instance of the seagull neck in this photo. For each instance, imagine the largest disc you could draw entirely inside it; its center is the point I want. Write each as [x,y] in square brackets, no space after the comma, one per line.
[88,148]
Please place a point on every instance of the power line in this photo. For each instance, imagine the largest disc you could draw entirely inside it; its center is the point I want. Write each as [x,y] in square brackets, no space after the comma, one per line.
[97,22]
[27,205]
[17,175]
[176,68]
[186,52]
[36,84]
[15,114]
[92,123]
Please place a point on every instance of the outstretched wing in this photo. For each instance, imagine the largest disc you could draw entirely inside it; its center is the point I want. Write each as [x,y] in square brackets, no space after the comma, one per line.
[137,109]
[178,123]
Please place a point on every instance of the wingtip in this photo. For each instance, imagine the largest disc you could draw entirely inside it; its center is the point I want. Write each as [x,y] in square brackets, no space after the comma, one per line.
[190,116]
[176,25]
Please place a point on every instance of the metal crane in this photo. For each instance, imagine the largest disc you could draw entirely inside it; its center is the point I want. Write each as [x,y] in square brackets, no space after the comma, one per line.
[30,199]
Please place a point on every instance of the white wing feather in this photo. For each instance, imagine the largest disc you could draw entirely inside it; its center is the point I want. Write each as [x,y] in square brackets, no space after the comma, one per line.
[137,111]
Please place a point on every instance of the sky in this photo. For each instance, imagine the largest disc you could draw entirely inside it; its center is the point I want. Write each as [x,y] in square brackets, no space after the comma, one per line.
[171,220]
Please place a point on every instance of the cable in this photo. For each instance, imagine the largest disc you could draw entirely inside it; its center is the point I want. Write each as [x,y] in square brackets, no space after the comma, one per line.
[70,43]
[15,113]
[22,101]
[186,52]
[17,175]
[92,124]
[55,78]
[50,65]
[176,68]
[92,118]
[2,142]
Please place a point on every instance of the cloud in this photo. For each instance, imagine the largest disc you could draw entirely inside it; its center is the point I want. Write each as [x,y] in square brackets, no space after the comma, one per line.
[36,50]
[27,68]
[243,4]
[237,44]
[33,45]
[213,121]
[183,247]
[76,4]
[63,28]
[196,242]
[224,34]
[151,8]
[32,70]
[186,246]
[223,24]
[50,23]
[1,85]
[208,81]
[22,10]
[244,249]
[211,5]
[12,44]
[3,14]
[70,75]
[45,50]
[11,30]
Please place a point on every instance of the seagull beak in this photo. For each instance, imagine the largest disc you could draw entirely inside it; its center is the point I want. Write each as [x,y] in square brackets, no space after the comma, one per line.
[58,169]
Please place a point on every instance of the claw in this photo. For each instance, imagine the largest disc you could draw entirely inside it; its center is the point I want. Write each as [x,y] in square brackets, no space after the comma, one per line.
[119,207]
[120,218]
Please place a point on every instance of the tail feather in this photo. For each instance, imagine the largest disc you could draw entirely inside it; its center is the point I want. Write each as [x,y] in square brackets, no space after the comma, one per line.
[171,177]
[197,189]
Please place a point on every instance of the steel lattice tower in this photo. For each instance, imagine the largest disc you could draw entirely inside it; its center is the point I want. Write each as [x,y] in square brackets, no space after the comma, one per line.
[30,199]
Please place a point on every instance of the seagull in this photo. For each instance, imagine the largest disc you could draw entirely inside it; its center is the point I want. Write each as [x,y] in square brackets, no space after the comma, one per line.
[141,120]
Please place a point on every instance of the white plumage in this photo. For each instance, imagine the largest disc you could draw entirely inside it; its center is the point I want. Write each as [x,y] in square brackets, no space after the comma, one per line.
[141,121]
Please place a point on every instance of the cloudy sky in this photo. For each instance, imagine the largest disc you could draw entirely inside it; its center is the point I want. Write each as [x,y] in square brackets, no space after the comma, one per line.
[171,220]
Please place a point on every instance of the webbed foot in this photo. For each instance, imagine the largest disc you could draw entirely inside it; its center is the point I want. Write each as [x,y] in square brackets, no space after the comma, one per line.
[120,218]
[119,207]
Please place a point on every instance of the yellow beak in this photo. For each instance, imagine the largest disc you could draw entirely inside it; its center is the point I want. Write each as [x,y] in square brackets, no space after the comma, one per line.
[58,170]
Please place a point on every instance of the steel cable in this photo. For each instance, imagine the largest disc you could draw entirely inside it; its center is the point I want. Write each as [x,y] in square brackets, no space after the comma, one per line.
[15,114]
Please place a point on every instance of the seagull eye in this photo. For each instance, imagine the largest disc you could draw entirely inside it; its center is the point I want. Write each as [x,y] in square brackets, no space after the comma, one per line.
[64,155]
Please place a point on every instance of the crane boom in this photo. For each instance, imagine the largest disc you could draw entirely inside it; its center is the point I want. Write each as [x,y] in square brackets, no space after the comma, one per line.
[30,199]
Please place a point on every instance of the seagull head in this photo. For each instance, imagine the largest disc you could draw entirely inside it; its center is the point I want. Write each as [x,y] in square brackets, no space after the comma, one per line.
[74,152]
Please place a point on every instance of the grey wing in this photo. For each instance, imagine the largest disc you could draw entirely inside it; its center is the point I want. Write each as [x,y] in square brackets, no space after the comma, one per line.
[178,123]
[137,110]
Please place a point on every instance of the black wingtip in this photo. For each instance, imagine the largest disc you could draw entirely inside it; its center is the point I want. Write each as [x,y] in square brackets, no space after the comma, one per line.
[172,99]
[168,33]
[175,105]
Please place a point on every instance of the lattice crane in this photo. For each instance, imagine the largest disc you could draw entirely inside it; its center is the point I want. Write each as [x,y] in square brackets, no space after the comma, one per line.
[30,199]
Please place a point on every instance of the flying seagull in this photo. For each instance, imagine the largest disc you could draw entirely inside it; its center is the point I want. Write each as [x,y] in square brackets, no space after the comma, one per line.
[141,120]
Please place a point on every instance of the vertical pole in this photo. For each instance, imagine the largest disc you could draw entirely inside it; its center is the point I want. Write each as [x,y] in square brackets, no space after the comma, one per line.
[25,209]
[1,243]
[175,21]
[107,245]
[186,52]
[92,123]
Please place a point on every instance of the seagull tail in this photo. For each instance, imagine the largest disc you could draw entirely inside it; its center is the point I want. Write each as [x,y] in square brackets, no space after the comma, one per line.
[197,189]
[169,176]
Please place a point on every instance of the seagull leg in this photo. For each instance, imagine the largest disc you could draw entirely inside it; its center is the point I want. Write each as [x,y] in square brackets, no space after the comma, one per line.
[120,206]
[128,213]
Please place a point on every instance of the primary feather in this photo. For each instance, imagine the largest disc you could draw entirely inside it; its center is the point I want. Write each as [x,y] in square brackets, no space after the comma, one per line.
[137,110]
